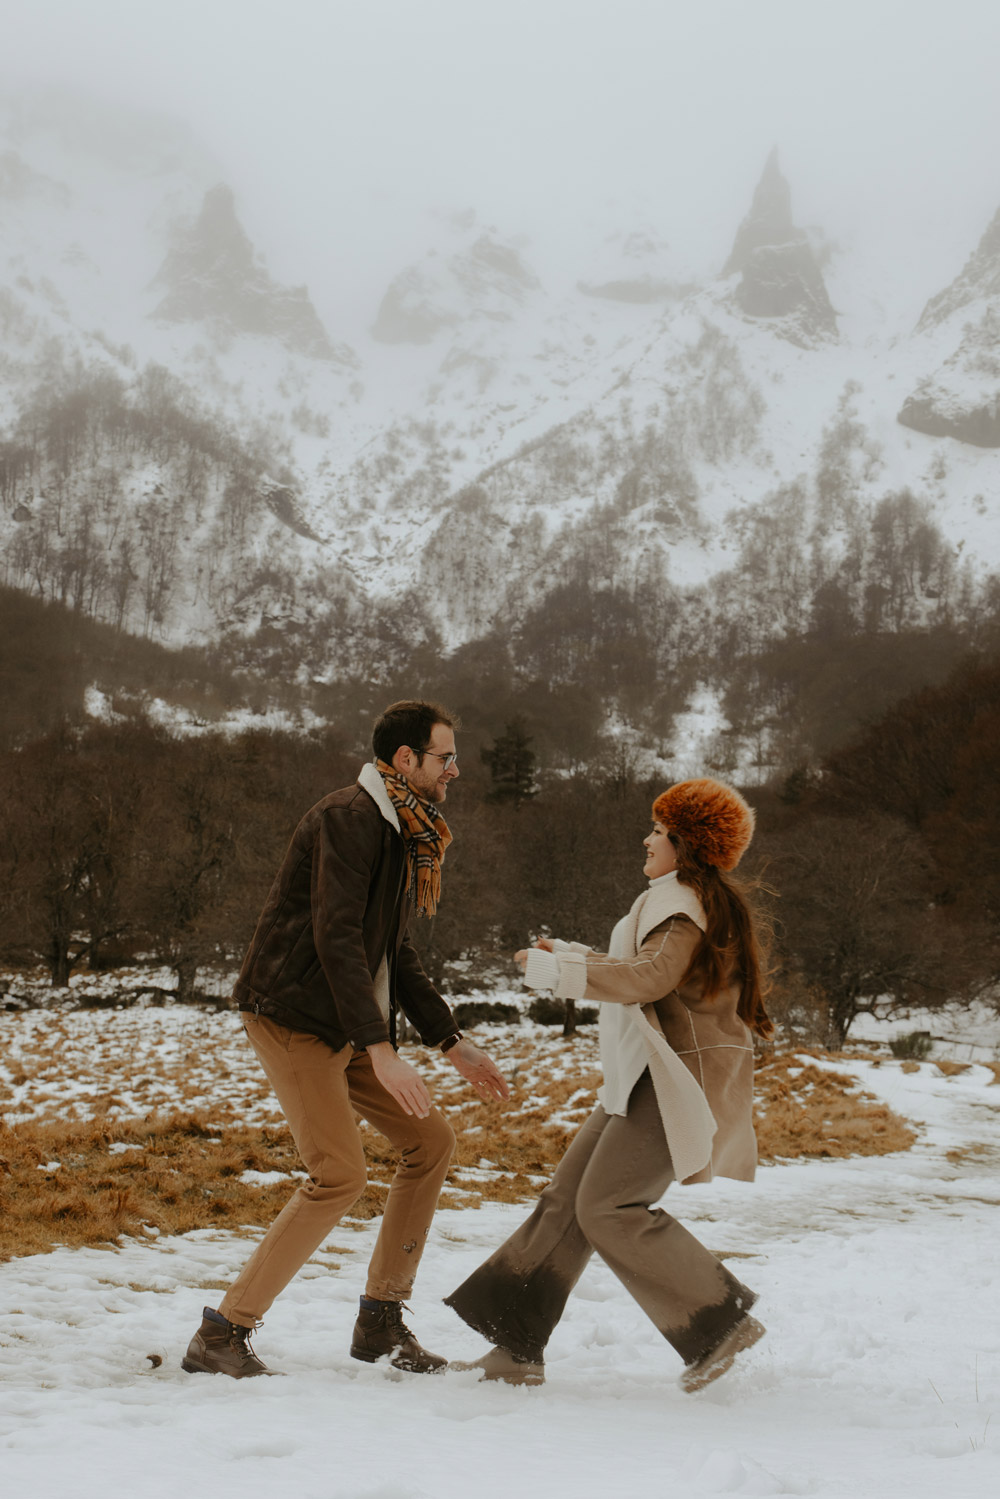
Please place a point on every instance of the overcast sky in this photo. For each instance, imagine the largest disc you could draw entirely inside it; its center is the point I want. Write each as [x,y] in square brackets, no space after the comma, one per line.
[341,124]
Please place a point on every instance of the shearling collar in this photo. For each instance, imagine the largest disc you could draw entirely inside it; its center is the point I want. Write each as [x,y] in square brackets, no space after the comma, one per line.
[369,780]
[665,897]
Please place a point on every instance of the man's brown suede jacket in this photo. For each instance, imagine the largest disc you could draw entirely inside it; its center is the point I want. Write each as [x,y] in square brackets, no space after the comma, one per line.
[337,907]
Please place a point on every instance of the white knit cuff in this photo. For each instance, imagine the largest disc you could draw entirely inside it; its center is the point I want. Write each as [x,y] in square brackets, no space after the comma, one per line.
[572,976]
[542,969]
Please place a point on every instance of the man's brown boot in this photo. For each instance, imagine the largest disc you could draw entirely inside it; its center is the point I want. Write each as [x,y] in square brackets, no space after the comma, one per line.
[380,1332]
[221,1347]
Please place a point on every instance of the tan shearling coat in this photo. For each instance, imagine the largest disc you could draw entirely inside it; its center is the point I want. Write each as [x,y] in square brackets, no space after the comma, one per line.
[651,951]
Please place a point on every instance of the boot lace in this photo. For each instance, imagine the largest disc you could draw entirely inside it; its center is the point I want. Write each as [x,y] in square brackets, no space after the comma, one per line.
[239,1338]
[394,1314]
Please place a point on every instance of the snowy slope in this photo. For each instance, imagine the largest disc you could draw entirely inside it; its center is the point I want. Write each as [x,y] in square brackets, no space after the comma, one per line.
[879,1379]
[962,397]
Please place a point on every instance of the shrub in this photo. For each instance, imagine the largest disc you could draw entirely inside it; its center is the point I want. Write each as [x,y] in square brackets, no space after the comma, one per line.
[548,1011]
[914,1046]
[484,1012]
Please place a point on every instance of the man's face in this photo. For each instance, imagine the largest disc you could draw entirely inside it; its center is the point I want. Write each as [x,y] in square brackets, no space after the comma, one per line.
[428,775]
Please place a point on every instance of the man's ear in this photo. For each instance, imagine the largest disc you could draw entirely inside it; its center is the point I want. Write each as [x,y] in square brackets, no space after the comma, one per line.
[403,759]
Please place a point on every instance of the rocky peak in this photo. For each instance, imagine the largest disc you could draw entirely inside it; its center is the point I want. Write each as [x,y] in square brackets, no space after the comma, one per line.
[491,265]
[214,275]
[485,280]
[780,277]
[769,221]
[961,399]
[979,277]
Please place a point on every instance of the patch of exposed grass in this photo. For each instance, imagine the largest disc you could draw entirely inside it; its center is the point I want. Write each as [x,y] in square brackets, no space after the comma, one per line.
[184,1173]
[521,1140]
[951,1069]
[133,1065]
[803,1110]
[963,1153]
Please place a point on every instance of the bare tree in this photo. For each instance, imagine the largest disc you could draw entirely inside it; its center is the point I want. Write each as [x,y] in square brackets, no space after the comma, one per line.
[860,924]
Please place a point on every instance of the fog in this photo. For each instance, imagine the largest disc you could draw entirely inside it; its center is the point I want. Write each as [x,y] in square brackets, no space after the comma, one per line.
[343,126]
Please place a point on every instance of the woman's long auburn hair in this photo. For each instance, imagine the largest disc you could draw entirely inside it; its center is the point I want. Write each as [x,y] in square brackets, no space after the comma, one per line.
[731,942]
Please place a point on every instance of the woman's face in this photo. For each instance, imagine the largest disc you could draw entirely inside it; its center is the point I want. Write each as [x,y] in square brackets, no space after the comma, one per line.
[661,856]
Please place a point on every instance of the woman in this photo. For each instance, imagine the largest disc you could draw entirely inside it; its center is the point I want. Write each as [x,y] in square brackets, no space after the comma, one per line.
[680,992]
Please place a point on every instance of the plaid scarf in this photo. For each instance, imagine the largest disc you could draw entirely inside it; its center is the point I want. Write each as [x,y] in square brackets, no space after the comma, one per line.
[426,836]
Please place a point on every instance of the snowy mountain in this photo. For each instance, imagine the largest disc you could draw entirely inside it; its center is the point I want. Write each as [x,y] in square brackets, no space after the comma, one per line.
[961,397]
[633,267]
[186,450]
[484,282]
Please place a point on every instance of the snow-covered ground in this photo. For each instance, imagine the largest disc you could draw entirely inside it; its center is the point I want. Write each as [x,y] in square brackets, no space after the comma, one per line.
[880,1376]
[959,1033]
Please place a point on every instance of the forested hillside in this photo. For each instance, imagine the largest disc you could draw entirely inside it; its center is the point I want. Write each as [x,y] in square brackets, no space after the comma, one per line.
[123,842]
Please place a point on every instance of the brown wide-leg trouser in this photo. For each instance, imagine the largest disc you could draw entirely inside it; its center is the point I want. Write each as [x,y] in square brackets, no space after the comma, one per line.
[600,1199]
[318,1090]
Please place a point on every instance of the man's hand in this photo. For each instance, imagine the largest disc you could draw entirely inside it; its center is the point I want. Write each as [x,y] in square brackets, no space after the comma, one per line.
[401,1080]
[477,1069]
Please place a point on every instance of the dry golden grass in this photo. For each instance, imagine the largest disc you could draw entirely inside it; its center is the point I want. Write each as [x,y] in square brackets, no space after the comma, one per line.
[133,1064]
[184,1172]
[951,1069]
[802,1110]
[522,1140]
[995,1069]
[964,1153]
[193,1100]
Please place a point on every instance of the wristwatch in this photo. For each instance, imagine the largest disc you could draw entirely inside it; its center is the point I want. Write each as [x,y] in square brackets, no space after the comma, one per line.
[450,1041]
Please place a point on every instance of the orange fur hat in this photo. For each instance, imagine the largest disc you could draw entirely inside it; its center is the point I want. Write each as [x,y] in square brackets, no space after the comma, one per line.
[714,820]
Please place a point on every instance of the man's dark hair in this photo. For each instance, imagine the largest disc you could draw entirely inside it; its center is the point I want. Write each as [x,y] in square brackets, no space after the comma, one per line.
[409,722]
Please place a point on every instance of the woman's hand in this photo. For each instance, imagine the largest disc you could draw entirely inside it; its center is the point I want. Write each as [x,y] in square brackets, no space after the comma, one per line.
[521,957]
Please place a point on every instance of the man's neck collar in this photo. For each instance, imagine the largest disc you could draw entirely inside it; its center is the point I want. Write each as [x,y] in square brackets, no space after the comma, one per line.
[370,780]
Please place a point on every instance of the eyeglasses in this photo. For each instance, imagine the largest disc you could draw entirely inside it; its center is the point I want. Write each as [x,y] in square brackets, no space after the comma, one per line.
[447,761]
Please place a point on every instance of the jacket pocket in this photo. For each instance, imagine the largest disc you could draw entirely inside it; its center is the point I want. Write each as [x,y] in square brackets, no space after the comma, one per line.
[311,972]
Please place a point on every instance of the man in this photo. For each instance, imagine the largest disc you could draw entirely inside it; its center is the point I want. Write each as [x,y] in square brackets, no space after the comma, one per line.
[318,990]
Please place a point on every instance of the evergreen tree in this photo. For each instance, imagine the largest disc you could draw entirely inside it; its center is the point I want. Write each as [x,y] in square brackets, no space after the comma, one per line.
[511,764]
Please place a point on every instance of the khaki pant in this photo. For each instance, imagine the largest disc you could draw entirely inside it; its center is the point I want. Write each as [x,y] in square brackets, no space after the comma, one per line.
[319,1090]
[600,1199]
